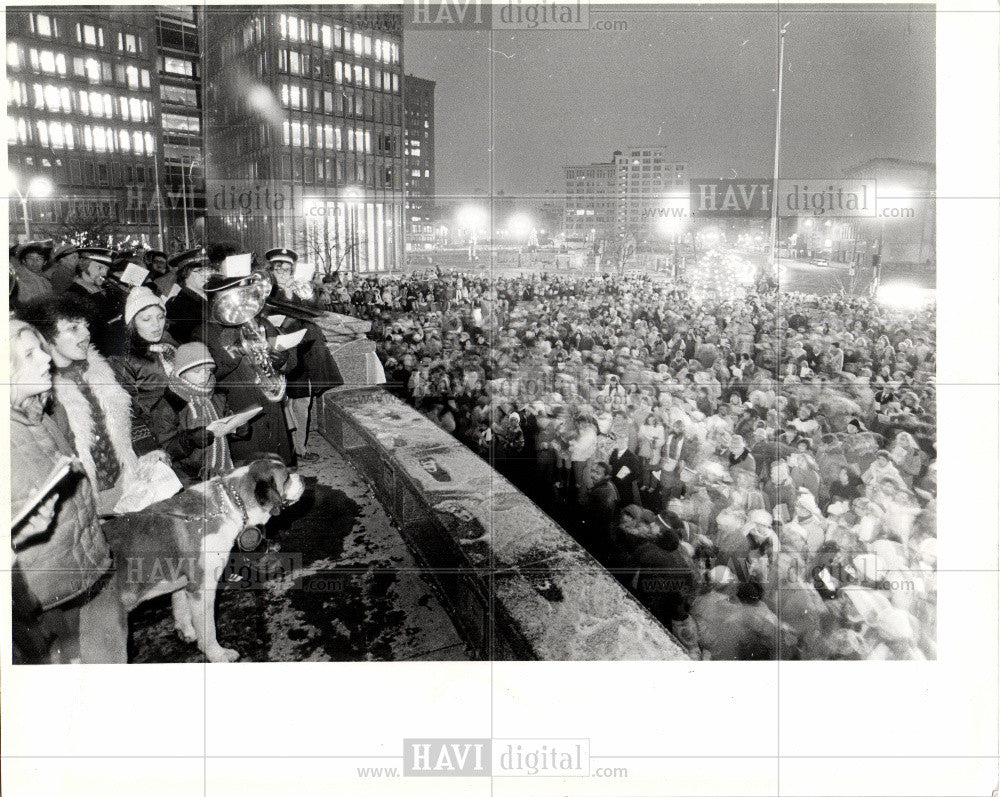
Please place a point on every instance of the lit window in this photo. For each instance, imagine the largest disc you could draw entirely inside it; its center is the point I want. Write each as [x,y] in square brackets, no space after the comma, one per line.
[135,109]
[287,133]
[43,132]
[358,45]
[293,29]
[378,49]
[100,140]
[137,142]
[327,37]
[294,97]
[124,143]
[338,137]
[148,137]
[293,62]
[68,136]
[56,135]
[367,40]
[338,72]
[283,26]
[42,25]
[47,61]
[368,141]
[338,36]
[358,74]
[14,55]
[284,94]
[145,78]
[132,76]
[93,70]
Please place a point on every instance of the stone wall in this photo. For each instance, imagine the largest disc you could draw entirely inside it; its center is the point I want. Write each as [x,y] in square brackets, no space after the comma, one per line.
[516,585]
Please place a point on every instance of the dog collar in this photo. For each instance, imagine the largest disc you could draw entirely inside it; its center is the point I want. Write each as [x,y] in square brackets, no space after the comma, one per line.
[236,501]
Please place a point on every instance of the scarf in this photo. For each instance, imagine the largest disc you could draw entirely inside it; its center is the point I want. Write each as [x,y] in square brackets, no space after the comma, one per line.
[202,412]
[107,466]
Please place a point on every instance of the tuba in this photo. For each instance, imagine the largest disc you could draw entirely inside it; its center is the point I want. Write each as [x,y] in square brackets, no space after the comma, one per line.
[254,342]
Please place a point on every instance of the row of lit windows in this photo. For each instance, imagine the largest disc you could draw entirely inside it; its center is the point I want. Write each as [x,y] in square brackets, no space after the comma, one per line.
[295,63]
[88,35]
[95,71]
[64,135]
[296,134]
[179,95]
[343,104]
[337,36]
[61,99]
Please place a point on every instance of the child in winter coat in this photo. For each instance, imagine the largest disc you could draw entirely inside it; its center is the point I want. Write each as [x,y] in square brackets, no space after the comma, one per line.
[191,389]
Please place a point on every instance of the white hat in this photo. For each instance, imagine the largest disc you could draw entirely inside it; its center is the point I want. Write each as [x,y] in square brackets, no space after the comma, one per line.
[138,300]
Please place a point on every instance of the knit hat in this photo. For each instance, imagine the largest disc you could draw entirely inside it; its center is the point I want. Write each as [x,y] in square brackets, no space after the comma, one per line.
[191,355]
[138,300]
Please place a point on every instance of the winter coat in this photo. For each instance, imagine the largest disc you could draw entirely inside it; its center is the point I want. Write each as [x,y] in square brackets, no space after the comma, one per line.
[154,422]
[67,562]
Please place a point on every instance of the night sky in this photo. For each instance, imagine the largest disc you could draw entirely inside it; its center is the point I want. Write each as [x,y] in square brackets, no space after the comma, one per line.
[858,85]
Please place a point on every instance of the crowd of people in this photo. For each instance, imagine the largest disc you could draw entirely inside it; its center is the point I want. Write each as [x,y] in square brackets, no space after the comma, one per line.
[758,468]
[146,375]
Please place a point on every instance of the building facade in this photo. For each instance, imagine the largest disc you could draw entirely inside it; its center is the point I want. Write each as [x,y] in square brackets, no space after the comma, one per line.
[304,132]
[648,181]
[903,230]
[591,202]
[179,69]
[418,146]
[83,113]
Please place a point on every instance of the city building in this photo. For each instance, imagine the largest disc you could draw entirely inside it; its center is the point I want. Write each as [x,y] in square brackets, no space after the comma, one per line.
[304,132]
[648,182]
[591,201]
[83,120]
[418,148]
[903,231]
[179,68]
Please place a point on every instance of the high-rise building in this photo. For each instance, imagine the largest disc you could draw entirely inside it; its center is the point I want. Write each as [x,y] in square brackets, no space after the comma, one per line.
[179,47]
[647,182]
[418,113]
[83,110]
[304,131]
[591,200]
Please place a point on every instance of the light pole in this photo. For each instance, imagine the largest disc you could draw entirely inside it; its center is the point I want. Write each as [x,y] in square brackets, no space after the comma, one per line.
[37,187]
[194,161]
[777,151]
[471,218]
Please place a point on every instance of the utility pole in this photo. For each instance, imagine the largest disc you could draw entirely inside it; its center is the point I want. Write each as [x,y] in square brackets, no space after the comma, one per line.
[777,153]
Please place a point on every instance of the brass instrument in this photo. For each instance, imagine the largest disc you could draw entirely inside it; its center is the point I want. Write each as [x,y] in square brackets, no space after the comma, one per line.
[254,342]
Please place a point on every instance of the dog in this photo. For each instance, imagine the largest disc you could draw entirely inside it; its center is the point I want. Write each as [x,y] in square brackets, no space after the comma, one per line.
[181,545]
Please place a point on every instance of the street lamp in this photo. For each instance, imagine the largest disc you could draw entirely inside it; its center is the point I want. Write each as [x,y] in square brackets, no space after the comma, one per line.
[471,218]
[37,187]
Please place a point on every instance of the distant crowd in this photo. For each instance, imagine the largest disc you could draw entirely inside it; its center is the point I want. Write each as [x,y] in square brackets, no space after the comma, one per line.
[759,471]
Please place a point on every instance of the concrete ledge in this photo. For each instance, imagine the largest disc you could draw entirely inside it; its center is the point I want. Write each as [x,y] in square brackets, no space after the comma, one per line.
[353,352]
[516,585]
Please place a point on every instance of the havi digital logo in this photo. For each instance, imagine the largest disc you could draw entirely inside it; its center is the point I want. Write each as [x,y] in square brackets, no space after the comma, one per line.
[447,757]
[509,15]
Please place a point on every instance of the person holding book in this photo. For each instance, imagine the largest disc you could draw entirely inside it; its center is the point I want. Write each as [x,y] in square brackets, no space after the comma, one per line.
[65,608]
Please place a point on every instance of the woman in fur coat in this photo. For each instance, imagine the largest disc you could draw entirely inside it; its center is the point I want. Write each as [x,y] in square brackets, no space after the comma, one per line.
[90,405]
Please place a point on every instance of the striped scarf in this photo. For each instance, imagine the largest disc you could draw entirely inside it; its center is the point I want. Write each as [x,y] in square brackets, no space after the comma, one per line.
[201,411]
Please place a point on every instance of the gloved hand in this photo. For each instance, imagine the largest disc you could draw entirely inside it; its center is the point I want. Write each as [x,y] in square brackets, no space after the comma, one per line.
[198,437]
